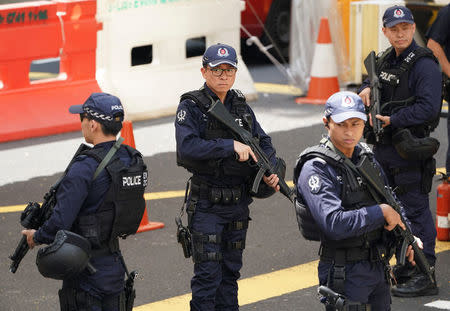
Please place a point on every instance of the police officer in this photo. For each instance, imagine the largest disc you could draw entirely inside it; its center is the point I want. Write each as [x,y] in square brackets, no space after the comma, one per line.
[439,42]
[87,205]
[218,213]
[343,214]
[410,106]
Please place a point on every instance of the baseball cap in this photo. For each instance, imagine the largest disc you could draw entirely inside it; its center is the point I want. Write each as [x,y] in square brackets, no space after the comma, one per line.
[220,54]
[102,107]
[397,14]
[345,105]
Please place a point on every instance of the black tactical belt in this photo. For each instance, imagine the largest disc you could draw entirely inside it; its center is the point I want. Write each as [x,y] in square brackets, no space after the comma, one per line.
[351,255]
[215,194]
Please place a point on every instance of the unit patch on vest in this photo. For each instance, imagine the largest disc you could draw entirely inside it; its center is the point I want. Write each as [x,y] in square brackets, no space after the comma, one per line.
[314,183]
[133,181]
[181,116]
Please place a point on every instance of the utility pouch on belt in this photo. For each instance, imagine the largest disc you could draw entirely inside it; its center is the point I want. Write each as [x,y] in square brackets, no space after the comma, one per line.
[428,170]
[410,147]
[215,195]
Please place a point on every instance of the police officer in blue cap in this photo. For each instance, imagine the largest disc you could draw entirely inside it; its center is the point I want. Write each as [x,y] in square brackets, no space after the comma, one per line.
[87,204]
[410,107]
[439,42]
[335,205]
[217,207]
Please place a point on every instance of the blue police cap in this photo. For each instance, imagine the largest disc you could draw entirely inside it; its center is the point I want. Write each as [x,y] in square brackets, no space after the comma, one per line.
[345,105]
[397,14]
[220,54]
[102,107]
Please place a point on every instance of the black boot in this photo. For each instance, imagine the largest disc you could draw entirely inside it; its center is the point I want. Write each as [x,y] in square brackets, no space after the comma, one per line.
[403,273]
[418,285]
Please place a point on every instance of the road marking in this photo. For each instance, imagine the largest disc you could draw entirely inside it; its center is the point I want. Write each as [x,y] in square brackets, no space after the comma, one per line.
[150,196]
[278,89]
[254,289]
[439,304]
[263,286]
[42,75]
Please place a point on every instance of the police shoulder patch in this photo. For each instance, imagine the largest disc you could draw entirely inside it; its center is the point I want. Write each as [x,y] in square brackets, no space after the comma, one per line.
[314,183]
[181,116]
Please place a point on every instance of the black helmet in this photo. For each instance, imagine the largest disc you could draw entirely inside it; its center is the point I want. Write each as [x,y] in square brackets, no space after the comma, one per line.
[66,257]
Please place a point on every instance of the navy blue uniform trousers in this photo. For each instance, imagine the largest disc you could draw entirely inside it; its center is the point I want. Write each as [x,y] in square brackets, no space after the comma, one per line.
[365,282]
[214,285]
[416,204]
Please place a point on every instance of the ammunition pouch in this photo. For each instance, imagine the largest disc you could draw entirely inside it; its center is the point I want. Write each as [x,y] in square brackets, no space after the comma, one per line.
[73,299]
[413,148]
[264,190]
[216,195]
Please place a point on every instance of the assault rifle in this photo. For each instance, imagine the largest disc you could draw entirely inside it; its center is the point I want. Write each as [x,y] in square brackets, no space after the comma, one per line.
[376,182]
[34,216]
[331,298]
[219,112]
[375,98]
[130,292]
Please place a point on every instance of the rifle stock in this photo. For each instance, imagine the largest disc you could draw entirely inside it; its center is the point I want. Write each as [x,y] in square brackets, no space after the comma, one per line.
[375,104]
[218,111]
[375,180]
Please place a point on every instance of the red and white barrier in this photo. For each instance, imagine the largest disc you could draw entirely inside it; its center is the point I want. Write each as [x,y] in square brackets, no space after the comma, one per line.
[39,30]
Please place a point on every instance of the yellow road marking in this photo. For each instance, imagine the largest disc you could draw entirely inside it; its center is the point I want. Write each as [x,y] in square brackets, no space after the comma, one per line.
[263,286]
[277,88]
[150,196]
[42,75]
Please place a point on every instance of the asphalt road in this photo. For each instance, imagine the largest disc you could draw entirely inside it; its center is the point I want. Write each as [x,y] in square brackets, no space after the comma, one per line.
[273,241]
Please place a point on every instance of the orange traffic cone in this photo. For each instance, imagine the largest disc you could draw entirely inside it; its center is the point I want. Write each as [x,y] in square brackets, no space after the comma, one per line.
[324,81]
[127,134]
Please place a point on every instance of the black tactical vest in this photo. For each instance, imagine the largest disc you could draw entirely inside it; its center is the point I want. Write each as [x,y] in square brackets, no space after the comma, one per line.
[354,195]
[121,212]
[215,129]
[395,92]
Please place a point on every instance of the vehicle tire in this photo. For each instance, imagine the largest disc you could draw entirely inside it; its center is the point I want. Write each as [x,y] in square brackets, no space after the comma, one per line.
[278,25]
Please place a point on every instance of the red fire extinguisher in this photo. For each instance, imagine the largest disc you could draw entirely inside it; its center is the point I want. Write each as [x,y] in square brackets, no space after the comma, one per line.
[443,209]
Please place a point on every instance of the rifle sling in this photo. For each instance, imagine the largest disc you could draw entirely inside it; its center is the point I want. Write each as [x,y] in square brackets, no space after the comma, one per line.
[108,157]
[353,167]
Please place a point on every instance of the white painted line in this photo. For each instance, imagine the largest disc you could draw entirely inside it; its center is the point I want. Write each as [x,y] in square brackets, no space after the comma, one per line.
[439,304]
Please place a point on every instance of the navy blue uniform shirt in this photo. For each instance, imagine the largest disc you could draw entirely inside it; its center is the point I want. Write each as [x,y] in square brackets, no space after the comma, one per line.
[320,188]
[74,196]
[425,82]
[79,195]
[440,30]
[190,129]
